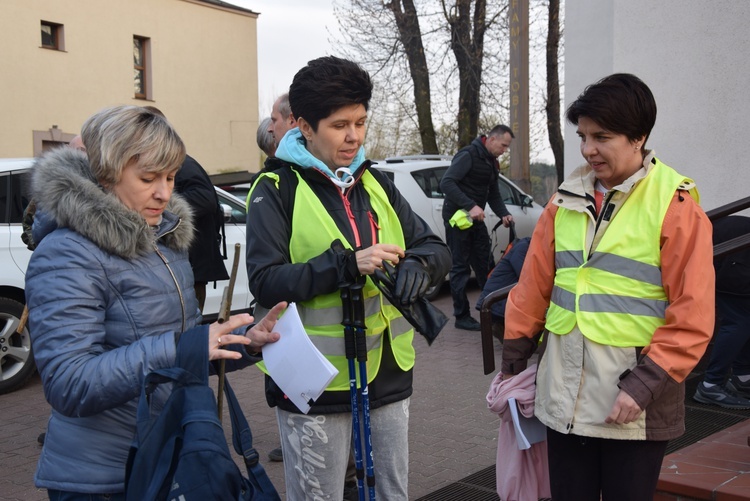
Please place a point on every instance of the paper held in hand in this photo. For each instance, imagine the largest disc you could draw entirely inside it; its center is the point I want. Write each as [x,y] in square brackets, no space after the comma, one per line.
[528,430]
[295,364]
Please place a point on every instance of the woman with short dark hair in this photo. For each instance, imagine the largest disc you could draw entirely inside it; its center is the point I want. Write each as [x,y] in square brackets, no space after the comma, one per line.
[619,278]
[326,219]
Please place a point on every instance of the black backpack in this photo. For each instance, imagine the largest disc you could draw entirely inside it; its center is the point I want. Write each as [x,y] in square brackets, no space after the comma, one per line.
[182,453]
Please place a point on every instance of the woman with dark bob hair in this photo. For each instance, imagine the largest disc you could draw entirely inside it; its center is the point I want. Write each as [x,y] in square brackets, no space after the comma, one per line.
[110,294]
[619,279]
[323,220]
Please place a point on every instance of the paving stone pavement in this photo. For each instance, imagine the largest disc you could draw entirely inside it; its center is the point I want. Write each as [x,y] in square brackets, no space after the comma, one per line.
[452,433]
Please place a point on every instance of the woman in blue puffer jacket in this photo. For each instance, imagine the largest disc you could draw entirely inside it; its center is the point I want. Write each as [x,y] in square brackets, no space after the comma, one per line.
[110,291]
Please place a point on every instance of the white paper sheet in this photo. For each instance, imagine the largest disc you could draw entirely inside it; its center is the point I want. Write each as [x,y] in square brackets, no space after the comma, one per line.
[295,364]
[528,430]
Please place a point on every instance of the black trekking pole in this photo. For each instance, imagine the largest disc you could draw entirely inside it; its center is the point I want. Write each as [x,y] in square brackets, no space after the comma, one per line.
[358,309]
[351,353]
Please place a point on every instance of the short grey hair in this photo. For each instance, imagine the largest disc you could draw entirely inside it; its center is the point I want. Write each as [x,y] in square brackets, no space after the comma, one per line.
[264,138]
[285,109]
[116,136]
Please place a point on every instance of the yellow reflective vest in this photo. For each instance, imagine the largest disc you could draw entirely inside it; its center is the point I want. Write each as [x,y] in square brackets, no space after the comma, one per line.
[615,295]
[313,230]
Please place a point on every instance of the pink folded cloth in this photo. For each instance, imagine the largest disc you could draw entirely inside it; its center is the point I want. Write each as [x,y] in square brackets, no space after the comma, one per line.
[522,475]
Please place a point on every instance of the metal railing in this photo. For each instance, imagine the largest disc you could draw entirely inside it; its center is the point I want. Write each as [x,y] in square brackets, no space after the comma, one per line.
[737,243]
[720,250]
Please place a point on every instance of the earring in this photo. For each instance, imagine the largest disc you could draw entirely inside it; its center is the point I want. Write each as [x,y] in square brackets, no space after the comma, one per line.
[637,147]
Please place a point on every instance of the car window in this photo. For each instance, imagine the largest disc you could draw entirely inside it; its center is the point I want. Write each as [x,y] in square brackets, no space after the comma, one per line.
[4,185]
[20,189]
[429,181]
[510,195]
[238,209]
[14,195]
[387,174]
[238,190]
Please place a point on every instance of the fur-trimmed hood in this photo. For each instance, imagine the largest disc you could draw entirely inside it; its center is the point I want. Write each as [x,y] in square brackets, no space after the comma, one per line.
[68,196]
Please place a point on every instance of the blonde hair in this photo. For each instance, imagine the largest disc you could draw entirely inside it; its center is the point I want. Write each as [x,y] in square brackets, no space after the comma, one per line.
[117,136]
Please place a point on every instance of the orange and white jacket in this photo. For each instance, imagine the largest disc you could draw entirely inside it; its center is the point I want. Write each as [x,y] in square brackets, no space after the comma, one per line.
[579,379]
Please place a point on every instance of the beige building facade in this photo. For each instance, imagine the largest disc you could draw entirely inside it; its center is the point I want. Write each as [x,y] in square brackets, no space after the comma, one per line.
[195,60]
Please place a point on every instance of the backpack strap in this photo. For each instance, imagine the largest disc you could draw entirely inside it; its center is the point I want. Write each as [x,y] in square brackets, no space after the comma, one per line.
[242,440]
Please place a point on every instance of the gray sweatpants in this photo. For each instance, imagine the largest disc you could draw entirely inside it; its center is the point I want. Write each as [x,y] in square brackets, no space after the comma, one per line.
[316,450]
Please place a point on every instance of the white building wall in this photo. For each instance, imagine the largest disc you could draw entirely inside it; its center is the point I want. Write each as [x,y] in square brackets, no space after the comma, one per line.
[695,57]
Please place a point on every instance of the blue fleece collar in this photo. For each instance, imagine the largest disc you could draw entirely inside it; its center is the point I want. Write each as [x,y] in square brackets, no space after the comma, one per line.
[292,149]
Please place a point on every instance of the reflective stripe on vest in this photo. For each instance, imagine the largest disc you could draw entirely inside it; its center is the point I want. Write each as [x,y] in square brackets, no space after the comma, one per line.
[616,297]
[313,231]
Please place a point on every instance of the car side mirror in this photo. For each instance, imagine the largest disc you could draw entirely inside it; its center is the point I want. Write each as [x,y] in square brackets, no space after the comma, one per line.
[227,212]
[527,201]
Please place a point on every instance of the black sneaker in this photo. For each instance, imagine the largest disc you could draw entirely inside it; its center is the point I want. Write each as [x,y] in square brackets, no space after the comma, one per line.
[276,455]
[351,491]
[468,323]
[738,387]
[716,395]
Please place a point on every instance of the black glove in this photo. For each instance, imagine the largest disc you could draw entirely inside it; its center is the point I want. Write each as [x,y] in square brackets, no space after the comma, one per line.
[412,281]
[422,315]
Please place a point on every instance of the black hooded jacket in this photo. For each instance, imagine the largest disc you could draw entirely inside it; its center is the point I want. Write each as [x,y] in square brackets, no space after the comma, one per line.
[472,180]
[206,259]
[273,277]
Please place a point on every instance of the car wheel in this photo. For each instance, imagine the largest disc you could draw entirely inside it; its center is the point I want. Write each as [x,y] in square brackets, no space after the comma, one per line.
[16,359]
[433,292]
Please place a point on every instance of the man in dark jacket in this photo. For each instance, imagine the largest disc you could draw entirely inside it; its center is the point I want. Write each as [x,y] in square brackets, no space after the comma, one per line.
[206,259]
[469,184]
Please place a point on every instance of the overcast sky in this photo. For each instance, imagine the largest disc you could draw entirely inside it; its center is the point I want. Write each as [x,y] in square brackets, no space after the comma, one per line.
[290,33]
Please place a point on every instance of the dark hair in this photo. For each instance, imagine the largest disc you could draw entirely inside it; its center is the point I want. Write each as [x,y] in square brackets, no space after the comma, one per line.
[620,103]
[155,110]
[500,130]
[325,85]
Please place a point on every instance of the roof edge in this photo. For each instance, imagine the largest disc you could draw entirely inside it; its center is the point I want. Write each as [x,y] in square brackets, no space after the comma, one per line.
[219,4]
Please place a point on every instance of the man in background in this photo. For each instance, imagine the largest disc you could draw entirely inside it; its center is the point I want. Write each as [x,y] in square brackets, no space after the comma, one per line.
[267,144]
[282,118]
[264,138]
[270,131]
[469,184]
[206,259]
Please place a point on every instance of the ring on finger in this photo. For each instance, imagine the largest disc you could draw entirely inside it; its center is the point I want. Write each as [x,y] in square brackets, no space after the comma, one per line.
[220,343]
